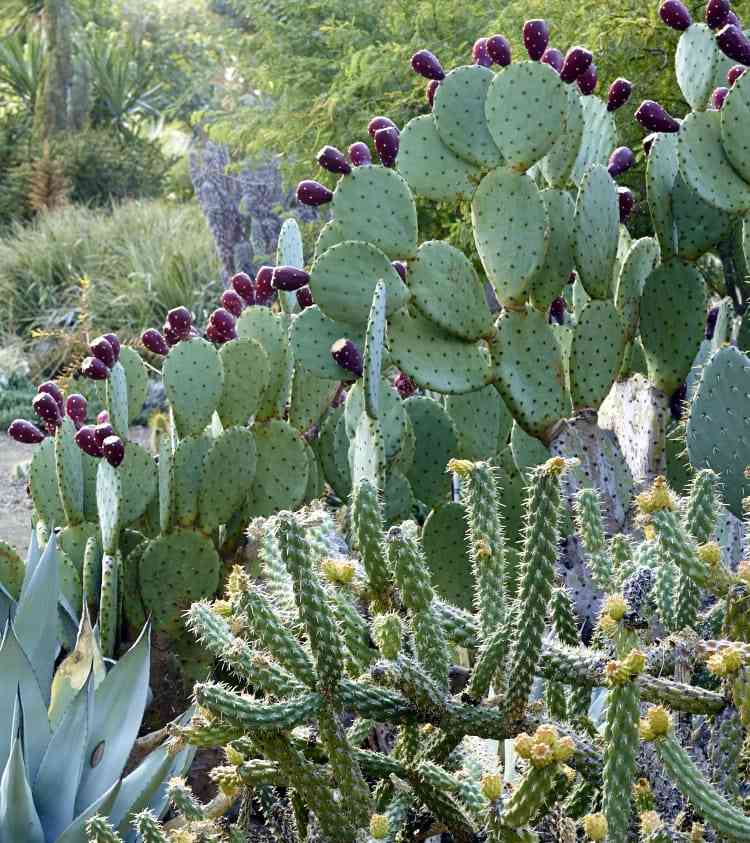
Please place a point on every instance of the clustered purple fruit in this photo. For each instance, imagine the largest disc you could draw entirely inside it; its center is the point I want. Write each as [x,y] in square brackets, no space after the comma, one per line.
[348,356]
[104,352]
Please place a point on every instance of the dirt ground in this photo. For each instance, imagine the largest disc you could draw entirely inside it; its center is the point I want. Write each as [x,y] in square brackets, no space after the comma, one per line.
[15,504]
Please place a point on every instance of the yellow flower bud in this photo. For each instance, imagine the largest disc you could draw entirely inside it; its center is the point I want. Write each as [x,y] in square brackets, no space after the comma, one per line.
[696,833]
[743,570]
[380,827]
[710,553]
[564,748]
[541,754]
[569,773]
[492,786]
[462,468]
[733,659]
[650,822]
[547,734]
[715,664]
[608,625]
[234,756]
[642,789]
[657,498]
[595,827]
[238,582]
[554,466]
[523,744]
[646,730]
[223,608]
[649,531]
[482,549]
[615,606]
[634,662]
[660,721]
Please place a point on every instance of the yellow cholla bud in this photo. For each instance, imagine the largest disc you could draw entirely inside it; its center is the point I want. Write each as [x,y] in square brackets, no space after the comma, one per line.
[523,744]
[716,665]
[380,827]
[656,499]
[337,570]
[649,531]
[710,553]
[660,721]
[642,789]
[227,779]
[547,734]
[482,549]
[223,608]
[564,748]
[650,822]
[595,827]
[696,833]
[616,673]
[569,773]
[608,625]
[238,582]
[541,754]
[743,570]
[615,606]
[646,730]
[733,658]
[492,786]
[634,662]
[234,756]
[555,466]
[462,468]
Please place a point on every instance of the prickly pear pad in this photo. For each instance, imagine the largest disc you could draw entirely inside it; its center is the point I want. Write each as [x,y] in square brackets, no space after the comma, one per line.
[436,443]
[459,114]
[193,379]
[166,484]
[367,452]
[597,222]
[246,376]
[138,482]
[696,62]
[434,359]
[446,554]
[558,163]
[69,465]
[188,473]
[477,417]
[374,348]
[431,169]
[447,290]
[735,118]
[640,261]
[331,234]
[510,231]
[332,453]
[270,330]
[392,416]
[598,139]
[43,484]
[310,399]
[228,471]
[662,169]
[698,225]
[281,469]
[136,377]
[116,387]
[526,108]
[311,336]
[109,504]
[548,281]
[596,355]
[705,166]
[375,204]
[398,499]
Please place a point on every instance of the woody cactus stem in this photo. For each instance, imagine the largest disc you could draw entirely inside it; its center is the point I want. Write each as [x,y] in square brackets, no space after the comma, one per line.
[539,554]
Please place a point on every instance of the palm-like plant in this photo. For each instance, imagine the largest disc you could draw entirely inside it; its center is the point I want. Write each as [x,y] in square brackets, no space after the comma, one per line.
[21,67]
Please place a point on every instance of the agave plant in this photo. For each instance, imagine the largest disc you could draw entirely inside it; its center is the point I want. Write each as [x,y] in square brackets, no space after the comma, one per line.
[66,734]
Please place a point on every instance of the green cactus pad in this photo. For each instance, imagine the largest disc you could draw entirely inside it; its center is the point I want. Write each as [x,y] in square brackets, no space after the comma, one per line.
[187,476]
[72,541]
[434,359]
[333,441]
[166,484]
[374,349]
[375,204]
[136,376]
[673,312]
[662,169]
[175,571]
[344,278]
[69,466]
[228,471]
[528,452]
[598,139]
[696,61]
[270,330]
[459,114]
[700,227]
[548,281]
[70,582]
[529,370]
[436,442]
[447,290]
[557,165]
[398,499]
[640,261]
[392,417]
[116,388]
[12,570]
[311,336]
[596,356]
[717,431]
[109,503]
[446,554]
[309,400]
[510,231]
[477,418]
[193,380]
[735,114]
[367,452]
[597,223]
[526,108]
[247,372]
[289,252]
[281,469]
[43,484]
[705,166]
[315,480]
[138,477]
[431,169]
[331,234]
[90,465]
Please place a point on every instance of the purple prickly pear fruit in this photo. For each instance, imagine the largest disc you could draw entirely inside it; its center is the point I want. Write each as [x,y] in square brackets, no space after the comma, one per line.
[154,342]
[102,417]
[479,54]
[535,38]
[102,431]
[557,311]
[305,298]
[675,14]
[310,192]
[52,389]
[405,386]
[87,441]
[114,450]
[734,73]
[655,118]
[333,160]
[400,267]
[46,408]
[426,64]
[718,96]
[221,326]
[95,369]
[553,57]
[264,291]
[348,356]
[25,432]
[431,90]
[711,318]
[359,154]
[499,50]
[289,278]
[378,123]
[242,284]
[577,61]
[620,161]
[587,81]
[734,43]
[619,93]
[386,145]
[717,12]
[101,348]
[115,343]
[677,401]
[232,301]
[626,202]
[180,320]
[733,19]
[76,408]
